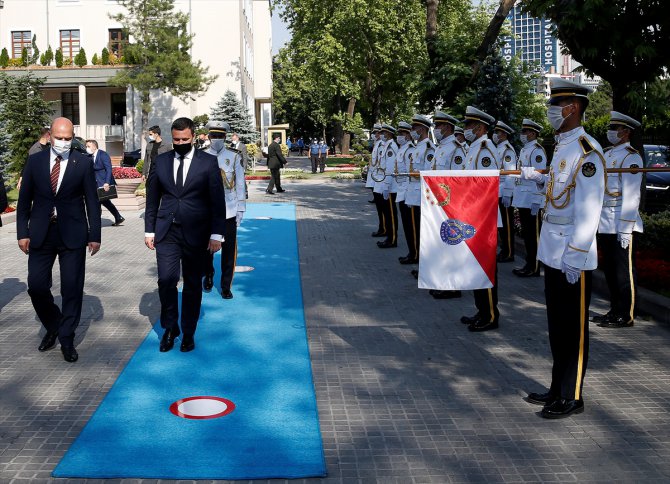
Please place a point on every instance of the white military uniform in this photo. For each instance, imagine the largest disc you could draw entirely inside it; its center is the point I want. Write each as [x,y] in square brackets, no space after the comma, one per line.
[526,192]
[402,161]
[389,156]
[622,195]
[507,160]
[232,173]
[449,155]
[482,155]
[374,164]
[574,187]
[421,159]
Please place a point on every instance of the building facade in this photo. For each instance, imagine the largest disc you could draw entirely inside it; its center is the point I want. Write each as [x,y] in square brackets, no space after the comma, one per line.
[231,37]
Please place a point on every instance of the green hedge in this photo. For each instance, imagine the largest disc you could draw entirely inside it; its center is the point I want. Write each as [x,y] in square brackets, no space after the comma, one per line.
[656,231]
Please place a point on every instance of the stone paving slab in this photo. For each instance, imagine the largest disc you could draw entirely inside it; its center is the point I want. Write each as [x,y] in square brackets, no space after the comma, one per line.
[405,392]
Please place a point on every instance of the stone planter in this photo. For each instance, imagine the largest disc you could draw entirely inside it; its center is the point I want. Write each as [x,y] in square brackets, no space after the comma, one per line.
[127,186]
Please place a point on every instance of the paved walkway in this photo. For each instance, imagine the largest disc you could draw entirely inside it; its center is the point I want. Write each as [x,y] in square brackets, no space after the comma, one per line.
[405,392]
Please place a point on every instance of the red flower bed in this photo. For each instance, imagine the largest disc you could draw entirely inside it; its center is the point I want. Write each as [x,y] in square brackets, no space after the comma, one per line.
[9,210]
[125,173]
[653,270]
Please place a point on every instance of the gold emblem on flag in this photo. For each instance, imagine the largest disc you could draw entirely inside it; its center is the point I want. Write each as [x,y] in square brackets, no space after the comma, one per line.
[447,192]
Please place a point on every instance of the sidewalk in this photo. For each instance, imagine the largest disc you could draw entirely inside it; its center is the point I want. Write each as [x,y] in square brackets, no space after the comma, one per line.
[405,392]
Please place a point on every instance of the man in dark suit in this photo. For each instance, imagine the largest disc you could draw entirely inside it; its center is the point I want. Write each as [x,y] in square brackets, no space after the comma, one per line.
[185,218]
[3,197]
[276,161]
[58,215]
[102,166]
[155,147]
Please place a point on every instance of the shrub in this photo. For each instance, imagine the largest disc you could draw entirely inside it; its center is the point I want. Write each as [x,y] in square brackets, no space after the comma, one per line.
[48,57]
[95,61]
[80,59]
[4,58]
[139,166]
[656,232]
[284,149]
[125,173]
[252,150]
[24,56]
[59,57]
[105,56]
[113,59]
[67,61]
[15,63]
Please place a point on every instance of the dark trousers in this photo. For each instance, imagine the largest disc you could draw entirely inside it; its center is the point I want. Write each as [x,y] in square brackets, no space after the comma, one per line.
[411,220]
[112,209]
[228,255]
[567,315]
[322,163]
[72,264]
[390,218]
[620,274]
[486,301]
[275,179]
[379,205]
[172,254]
[530,230]
[506,232]
[315,162]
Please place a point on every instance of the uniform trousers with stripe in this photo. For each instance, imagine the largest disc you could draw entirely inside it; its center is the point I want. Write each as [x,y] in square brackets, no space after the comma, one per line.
[228,254]
[390,213]
[379,205]
[506,231]
[411,218]
[567,317]
[530,231]
[620,274]
[486,301]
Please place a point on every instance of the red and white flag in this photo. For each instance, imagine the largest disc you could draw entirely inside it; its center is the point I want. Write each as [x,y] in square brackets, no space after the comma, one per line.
[459,220]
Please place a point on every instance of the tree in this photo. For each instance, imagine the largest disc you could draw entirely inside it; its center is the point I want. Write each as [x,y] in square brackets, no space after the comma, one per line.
[24,56]
[4,58]
[623,41]
[95,60]
[59,57]
[231,110]
[105,56]
[47,57]
[80,59]
[160,53]
[25,112]
[36,52]
[5,140]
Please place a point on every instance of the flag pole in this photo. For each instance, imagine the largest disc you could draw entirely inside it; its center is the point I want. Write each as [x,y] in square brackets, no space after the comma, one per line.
[633,171]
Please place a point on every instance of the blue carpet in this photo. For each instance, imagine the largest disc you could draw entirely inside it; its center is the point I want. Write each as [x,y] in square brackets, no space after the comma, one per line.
[251,350]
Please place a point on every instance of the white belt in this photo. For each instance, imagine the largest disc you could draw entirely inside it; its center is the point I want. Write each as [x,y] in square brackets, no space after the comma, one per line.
[612,203]
[557,219]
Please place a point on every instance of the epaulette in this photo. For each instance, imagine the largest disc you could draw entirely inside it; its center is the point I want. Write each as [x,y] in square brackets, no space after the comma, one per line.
[538,145]
[483,143]
[607,149]
[586,145]
[632,150]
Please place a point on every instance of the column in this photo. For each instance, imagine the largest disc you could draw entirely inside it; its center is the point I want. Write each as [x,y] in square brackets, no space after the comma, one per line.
[83,125]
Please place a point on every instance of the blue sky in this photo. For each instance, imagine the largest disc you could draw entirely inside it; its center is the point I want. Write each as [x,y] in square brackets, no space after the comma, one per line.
[280,34]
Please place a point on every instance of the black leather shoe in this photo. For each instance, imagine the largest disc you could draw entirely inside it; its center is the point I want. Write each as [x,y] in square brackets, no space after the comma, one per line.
[444,294]
[208,283]
[482,325]
[562,408]
[280,190]
[540,398]
[118,222]
[48,342]
[470,320]
[187,344]
[501,259]
[525,272]
[371,201]
[226,294]
[386,245]
[167,341]
[69,353]
[616,322]
[379,233]
[415,273]
[601,318]
[409,260]
[269,192]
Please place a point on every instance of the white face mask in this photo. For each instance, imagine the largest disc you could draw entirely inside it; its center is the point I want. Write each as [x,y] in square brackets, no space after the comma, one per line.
[151,138]
[523,138]
[402,139]
[555,116]
[613,136]
[439,135]
[382,137]
[61,146]
[496,138]
[470,135]
[217,144]
[89,150]
[415,135]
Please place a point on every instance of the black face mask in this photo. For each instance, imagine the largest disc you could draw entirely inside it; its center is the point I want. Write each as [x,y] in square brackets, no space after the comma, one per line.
[183,149]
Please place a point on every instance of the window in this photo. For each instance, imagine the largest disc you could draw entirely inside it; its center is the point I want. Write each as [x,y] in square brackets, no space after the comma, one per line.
[117,39]
[20,39]
[69,43]
[70,106]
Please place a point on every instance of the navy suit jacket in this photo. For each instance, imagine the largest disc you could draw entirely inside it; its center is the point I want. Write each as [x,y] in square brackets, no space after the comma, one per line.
[76,202]
[102,165]
[201,204]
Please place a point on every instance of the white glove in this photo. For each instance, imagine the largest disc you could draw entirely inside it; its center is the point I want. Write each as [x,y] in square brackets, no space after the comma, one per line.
[506,201]
[571,273]
[624,239]
[385,194]
[530,173]
[238,218]
[534,208]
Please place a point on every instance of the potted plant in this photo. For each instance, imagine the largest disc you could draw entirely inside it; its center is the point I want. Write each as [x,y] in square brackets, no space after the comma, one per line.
[127,180]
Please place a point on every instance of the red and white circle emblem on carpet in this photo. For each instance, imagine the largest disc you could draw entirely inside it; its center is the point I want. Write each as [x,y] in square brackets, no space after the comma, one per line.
[200,408]
[243,268]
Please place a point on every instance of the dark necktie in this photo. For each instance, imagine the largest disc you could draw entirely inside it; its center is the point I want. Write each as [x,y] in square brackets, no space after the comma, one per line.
[180,174]
[55,173]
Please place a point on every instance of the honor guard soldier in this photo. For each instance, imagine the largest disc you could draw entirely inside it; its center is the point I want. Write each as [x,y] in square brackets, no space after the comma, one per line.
[421,159]
[387,186]
[231,165]
[374,169]
[402,162]
[507,158]
[482,155]
[449,155]
[575,187]
[527,197]
[458,132]
[619,221]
